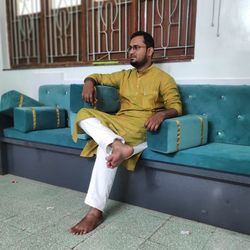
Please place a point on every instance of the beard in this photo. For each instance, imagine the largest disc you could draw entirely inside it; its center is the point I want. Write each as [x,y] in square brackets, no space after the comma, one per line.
[139,64]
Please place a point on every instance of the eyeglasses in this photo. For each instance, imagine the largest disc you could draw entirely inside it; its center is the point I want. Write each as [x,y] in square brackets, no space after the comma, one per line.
[135,47]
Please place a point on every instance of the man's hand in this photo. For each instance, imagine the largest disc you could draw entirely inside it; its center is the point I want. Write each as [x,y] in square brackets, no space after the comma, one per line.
[154,122]
[89,91]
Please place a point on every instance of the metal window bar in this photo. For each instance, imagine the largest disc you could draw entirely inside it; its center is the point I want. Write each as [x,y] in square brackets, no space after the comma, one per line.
[104,25]
[62,24]
[187,27]
[166,15]
[24,28]
[14,40]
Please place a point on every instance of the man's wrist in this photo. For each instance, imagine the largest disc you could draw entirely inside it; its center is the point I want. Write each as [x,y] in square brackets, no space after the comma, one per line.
[89,80]
[169,113]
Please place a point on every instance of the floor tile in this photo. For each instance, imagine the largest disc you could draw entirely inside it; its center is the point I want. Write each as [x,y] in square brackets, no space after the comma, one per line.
[11,207]
[59,236]
[148,245]
[10,235]
[35,243]
[37,216]
[114,210]
[111,238]
[228,240]
[139,222]
[31,191]
[178,233]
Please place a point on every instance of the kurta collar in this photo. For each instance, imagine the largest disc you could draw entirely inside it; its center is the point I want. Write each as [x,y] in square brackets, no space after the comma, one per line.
[139,74]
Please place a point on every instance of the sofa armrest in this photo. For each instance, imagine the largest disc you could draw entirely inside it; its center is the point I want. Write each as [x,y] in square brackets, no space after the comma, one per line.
[13,98]
[5,122]
[179,133]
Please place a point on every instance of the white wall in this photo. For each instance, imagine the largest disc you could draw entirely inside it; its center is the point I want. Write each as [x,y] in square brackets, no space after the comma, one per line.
[223,59]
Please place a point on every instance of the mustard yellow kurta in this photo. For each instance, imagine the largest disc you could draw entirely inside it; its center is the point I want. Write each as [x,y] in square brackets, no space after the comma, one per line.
[141,95]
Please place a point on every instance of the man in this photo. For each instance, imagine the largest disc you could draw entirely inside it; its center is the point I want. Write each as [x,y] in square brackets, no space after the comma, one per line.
[148,96]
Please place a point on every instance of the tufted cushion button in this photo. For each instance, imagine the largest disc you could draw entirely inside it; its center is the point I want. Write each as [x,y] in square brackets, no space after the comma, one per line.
[66,92]
[240,117]
[220,134]
[47,92]
[190,96]
[223,97]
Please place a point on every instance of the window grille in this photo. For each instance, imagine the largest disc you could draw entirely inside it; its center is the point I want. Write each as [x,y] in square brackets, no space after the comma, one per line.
[50,33]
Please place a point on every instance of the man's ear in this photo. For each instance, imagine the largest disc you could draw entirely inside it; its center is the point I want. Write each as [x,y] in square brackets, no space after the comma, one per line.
[150,51]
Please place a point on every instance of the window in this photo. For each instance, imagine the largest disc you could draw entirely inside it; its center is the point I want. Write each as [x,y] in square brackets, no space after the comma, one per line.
[49,33]
[26,7]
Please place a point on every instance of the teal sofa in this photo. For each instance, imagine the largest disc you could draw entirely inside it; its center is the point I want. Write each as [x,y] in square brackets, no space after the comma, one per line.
[205,178]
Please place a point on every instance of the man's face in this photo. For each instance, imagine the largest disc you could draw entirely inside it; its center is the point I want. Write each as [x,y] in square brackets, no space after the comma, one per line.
[138,52]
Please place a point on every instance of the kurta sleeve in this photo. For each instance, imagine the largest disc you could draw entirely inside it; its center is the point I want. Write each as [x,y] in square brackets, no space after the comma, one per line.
[170,94]
[113,79]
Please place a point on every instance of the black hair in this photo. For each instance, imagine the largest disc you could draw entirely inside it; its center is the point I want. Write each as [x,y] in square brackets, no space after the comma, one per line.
[148,39]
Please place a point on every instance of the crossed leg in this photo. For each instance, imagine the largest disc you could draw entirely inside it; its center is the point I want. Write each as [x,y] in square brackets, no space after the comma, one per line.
[119,153]
[103,175]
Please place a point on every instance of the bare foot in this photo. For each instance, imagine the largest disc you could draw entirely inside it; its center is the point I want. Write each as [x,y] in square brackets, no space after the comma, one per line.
[120,152]
[92,219]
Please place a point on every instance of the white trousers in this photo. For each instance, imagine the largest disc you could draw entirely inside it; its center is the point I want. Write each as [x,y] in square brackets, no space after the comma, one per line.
[102,177]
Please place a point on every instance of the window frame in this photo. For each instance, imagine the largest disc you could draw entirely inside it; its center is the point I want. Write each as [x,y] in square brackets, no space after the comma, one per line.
[136,22]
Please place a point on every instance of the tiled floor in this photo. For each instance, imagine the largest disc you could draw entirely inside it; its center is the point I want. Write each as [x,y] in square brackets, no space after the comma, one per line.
[35,215]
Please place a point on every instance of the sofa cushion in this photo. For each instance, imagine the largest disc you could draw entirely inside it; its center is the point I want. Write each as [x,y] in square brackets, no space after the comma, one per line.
[59,137]
[82,136]
[179,133]
[227,109]
[36,118]
[213,156]
[13,98]
[55,95]
[107,99]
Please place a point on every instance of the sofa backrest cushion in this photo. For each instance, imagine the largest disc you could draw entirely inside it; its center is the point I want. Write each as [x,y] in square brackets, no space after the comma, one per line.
[55,95]
[107,99]
[227,108]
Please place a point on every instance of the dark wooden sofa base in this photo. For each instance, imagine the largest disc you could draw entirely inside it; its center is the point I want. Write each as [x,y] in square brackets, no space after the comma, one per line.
[215,198]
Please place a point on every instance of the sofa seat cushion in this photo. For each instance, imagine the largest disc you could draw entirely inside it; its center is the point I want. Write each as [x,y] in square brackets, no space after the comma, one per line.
[37,118]
[60,137]
[214,156]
